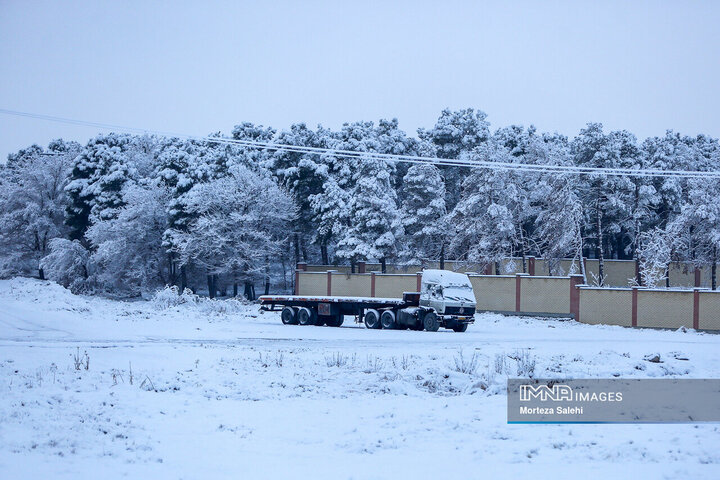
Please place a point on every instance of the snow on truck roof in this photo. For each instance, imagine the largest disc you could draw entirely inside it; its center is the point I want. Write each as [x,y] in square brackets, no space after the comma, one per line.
[445,277]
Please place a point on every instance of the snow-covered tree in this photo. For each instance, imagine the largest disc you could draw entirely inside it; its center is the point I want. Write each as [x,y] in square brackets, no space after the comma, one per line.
[654,254]
[375,227]
[423,215]
[128,253]
[303,175]
[238,223]
[68,263]
[455,133]
[32,204]
[607,198]
[695,231]
[96,182]
[490,219]
[559,224]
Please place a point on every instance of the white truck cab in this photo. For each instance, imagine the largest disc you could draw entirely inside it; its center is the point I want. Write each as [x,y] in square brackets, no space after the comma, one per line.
[448,293]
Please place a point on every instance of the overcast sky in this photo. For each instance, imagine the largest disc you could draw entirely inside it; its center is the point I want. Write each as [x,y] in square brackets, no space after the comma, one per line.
[199,67]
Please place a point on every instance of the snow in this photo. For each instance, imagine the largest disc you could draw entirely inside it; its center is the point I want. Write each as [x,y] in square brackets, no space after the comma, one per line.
[229,392]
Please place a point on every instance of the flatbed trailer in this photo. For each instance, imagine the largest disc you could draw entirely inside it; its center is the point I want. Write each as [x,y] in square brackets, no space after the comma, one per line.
[427,310]
[331,310]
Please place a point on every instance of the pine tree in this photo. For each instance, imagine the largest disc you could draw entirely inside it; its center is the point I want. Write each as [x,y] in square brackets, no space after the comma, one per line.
[456,133]
[423,215]
[375,227]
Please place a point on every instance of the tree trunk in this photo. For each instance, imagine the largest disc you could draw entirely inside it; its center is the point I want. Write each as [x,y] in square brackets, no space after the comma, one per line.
[183,279]
[522,250]
[601,260]
[211,286]
[284,276]
[297,248]
[636,256]
[324,254]
[442,256]
[235,289]
[497,268]
[267,276]
[249,290]
[303,248]
[352,266]
[41,273]
[383,266]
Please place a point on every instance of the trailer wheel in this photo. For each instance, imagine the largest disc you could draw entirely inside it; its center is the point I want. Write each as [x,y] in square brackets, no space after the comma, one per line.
[336,321]
[387,320]
[305,316]
[372,319]
[460,327]
[431,322]
[288,316]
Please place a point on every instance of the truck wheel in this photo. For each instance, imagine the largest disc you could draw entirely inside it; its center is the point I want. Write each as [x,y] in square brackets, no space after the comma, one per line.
[288,316]
[372,319]
[460,327]
[431,322]
[387,320]
[305,316]
[336,321]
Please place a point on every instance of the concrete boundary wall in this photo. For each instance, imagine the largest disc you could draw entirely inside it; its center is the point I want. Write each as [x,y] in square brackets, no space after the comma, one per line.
[618,273]
[605,306]
[494,293]
[697,308]
[544,294]
[708,309]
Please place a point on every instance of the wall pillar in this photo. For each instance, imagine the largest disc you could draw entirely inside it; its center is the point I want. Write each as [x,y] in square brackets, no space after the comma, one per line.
[696,308]
[518,288]
[697,277]
[575,280]
[634,306]
[297,281]
[361,267]
[419,281]
[372,284]
[329,282]
[531,266]
[302,266]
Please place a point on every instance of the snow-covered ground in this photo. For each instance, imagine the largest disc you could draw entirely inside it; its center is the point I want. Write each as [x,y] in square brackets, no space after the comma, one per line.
[219,389]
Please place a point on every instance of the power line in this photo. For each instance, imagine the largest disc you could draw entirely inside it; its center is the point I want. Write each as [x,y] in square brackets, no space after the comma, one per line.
[469,163]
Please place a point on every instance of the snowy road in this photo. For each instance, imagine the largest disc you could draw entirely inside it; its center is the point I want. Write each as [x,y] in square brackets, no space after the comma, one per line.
[235,393]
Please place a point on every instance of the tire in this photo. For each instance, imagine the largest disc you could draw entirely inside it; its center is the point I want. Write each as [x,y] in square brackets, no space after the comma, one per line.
[305,316]
[387,320]
[288,316]
[431,322]
[372,319]
[460,327]
[336,321]
[320,321]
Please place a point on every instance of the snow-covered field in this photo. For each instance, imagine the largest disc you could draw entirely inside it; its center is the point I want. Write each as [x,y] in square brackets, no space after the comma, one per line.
[91,388]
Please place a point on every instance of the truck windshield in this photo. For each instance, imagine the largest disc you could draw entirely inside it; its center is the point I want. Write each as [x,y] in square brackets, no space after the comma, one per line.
[459,293]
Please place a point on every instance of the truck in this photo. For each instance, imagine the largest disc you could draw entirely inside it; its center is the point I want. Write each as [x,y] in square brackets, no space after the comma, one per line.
[446,299]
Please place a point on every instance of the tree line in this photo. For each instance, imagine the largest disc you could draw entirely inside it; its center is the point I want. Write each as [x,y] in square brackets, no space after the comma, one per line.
[126,214]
